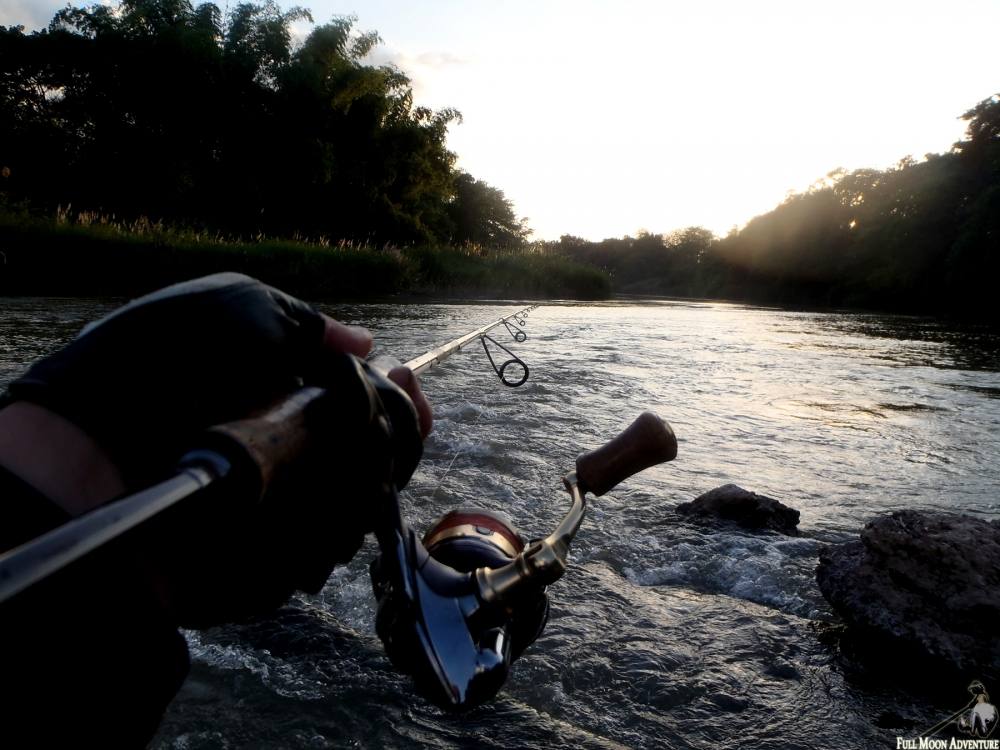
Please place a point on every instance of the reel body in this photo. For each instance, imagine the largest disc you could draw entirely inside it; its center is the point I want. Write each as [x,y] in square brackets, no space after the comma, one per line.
[434,626]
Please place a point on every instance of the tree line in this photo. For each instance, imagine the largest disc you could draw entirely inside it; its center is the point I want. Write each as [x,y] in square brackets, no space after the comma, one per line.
[922,236]
[206,120]
[176,112]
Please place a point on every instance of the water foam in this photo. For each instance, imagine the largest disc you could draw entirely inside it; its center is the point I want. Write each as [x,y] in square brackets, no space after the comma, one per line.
[767,569]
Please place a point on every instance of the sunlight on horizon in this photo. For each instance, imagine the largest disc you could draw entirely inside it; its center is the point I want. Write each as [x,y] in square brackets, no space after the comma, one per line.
[599,120]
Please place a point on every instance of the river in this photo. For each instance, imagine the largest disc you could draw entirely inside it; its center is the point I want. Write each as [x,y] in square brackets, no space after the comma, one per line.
[663,633]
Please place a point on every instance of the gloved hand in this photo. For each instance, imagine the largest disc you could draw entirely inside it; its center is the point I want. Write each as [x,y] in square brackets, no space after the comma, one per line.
[145,381]
[146,378]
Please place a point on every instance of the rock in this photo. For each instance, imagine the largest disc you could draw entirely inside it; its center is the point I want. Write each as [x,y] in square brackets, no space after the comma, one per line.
[927,582]
[748,509]
[783,670]
[729,703]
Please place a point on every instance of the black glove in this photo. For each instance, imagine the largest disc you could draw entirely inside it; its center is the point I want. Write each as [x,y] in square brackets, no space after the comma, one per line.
[144,383]
[150,376]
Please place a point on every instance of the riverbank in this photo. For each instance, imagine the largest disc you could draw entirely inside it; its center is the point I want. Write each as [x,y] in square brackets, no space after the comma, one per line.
[94,256]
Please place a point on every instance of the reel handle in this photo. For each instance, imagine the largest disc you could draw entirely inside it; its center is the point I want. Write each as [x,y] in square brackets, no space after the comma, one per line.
[648,441]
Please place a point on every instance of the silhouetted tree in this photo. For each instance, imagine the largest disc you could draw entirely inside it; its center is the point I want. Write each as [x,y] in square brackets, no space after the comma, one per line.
[482,215]
[164,109]
[923,235]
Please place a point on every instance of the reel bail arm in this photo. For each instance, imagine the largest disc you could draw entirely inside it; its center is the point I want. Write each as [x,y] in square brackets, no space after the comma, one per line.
[648,441]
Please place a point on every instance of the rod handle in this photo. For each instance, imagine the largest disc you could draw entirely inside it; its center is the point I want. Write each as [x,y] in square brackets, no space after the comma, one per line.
[269,441]
[648,441]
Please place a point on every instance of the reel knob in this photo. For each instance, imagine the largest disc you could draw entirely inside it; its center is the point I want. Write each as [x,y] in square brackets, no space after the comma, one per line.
[648,441]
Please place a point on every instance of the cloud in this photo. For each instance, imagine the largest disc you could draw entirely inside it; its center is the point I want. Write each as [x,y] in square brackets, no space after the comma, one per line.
[410,62]
[438,60]
[423,69]
[31,14]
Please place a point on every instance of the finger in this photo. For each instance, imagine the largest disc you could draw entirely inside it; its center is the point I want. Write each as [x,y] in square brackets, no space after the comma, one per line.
[405,379]
[351,339]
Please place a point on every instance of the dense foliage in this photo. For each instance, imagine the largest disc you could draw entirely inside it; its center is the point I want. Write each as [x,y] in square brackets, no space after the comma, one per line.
[161,109]
[91,255]
[921,236]
[679,263]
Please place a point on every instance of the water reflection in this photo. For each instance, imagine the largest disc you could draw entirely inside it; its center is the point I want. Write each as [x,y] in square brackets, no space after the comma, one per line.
[925,341]
[31,327]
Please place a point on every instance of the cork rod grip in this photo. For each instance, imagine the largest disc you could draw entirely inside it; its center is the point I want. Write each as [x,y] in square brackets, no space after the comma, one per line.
[272,439]
[646,442]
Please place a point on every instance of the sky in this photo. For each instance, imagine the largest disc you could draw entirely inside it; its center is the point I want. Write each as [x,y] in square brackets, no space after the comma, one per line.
[600,119]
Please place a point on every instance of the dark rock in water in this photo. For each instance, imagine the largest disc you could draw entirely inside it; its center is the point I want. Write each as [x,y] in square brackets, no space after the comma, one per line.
[927,582]
[783,669]
[892,720]
[728,703]
[748,509]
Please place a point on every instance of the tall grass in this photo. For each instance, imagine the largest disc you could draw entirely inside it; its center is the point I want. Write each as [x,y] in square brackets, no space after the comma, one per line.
[86,253]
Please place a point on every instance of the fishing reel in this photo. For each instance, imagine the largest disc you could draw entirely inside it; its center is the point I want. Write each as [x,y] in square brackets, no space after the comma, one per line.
[458,654]
[458,605]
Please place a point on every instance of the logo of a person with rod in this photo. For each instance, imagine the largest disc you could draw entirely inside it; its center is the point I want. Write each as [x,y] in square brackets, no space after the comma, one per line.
[978,718]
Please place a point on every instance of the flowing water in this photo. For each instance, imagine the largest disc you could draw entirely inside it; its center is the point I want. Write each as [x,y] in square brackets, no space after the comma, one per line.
[663,633]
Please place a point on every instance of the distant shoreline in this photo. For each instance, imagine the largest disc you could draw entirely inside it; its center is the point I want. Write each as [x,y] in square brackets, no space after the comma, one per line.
[44,257]
[41,257]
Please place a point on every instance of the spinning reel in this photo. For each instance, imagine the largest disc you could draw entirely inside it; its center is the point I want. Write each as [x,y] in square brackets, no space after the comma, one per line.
[457,606]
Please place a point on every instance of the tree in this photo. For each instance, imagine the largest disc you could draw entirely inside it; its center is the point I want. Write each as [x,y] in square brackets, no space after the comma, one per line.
[482,215]
[162,109]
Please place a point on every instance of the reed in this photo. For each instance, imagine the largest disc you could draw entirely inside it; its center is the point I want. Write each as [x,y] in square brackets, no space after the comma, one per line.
[86,253]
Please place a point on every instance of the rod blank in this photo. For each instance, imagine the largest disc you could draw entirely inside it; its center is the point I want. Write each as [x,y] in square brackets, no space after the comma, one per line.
[435,356]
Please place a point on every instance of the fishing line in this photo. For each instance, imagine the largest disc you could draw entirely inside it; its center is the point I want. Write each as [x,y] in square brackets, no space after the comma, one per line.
[519,336]
[458,452]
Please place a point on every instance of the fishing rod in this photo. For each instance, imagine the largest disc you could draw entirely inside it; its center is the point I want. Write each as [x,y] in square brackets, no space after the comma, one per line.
[36,560]
[457,605]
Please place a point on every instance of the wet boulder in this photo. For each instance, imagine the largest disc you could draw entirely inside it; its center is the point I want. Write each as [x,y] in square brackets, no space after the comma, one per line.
[926,582]
[747,509]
